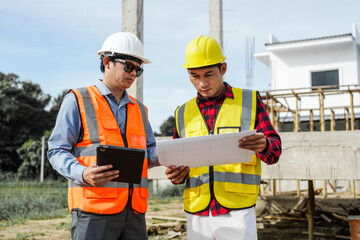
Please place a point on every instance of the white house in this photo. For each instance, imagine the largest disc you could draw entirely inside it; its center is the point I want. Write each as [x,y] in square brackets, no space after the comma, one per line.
[309,63]
[321,61]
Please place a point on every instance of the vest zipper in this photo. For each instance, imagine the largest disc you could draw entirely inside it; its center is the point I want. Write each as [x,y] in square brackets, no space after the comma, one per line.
[211,168]
[211,174]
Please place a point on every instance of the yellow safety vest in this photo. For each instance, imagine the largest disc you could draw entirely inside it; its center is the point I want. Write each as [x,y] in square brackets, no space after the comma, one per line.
[234,186]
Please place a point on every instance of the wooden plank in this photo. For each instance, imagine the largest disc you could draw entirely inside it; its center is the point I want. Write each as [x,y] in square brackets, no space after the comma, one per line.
[320,234]
[167,218]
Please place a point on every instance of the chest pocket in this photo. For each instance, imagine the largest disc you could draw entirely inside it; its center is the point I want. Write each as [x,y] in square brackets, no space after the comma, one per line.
[109,124]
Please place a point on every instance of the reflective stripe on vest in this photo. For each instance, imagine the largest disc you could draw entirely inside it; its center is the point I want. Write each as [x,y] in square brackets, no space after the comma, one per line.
[101,128]
[235,186]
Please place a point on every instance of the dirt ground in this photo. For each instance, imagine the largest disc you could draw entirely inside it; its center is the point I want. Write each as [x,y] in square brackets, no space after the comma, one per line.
[166,220]
[54,229]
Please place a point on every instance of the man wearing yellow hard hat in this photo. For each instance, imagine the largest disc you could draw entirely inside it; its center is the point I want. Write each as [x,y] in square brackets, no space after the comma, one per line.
[219,201]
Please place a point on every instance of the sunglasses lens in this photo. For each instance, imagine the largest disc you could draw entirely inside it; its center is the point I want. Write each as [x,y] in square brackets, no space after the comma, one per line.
[129,67]
[139,71]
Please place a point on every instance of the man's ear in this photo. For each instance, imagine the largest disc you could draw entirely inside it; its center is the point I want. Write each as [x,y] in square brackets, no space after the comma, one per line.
[223,68]
[106,62]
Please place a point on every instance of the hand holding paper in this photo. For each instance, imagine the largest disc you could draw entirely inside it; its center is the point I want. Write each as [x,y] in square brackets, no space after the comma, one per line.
[204,150]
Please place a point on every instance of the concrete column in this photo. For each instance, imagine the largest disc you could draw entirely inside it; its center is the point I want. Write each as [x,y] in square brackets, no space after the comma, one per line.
[132,21]
[216,28]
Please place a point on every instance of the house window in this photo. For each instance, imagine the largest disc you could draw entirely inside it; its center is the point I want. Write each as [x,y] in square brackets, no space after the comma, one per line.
[325,78]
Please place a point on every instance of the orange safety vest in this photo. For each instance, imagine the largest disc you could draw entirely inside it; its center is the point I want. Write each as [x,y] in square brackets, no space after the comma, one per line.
[100,128]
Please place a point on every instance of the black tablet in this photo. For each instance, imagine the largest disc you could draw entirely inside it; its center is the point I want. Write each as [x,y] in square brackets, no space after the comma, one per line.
[129,162]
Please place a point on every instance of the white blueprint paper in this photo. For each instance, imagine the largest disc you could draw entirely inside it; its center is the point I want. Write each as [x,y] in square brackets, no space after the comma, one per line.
[204,150]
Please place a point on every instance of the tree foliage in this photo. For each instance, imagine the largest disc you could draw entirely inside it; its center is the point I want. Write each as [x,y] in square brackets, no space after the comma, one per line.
[30,154]
[22,117]
[167,127]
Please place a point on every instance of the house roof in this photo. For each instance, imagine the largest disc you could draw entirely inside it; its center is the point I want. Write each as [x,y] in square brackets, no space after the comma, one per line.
[309,39]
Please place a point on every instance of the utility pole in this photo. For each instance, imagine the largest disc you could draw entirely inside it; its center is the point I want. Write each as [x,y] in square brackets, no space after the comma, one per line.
[249,62]
[42,159]
[216,19]
[132,21]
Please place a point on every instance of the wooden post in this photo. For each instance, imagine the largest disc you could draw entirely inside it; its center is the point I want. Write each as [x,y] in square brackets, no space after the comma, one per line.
[311,209]
[311,121]
[346,119]
[296,121]
[272,110]
[274,187]
[332,121]
[298,187]
[322,114]
[311,128]
[354,189]
[352,112]
[350,189]
[332,128]
[277,121]
[322,128]
[325,189]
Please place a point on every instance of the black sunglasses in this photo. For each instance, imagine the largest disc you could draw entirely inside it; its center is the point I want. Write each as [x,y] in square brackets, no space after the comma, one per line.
[129,67]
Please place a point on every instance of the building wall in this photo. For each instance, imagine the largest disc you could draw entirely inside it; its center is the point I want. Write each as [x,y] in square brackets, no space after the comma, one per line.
[293,67]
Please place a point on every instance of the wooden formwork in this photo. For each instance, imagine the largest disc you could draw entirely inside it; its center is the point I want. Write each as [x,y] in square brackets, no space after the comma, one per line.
[276,102]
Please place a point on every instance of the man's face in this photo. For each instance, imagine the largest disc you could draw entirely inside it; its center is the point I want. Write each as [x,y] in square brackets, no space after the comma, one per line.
[120,79]
[208,81]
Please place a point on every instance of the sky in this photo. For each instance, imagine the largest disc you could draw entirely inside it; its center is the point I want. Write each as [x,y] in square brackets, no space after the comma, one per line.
[55,43]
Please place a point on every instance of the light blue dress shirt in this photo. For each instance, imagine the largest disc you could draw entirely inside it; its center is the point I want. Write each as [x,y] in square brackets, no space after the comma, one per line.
[67,132]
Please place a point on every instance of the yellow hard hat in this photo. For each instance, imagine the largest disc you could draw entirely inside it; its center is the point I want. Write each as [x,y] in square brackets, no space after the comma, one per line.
[203,51]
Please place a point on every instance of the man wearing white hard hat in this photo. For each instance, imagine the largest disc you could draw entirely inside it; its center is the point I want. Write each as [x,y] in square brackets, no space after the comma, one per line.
[104,114]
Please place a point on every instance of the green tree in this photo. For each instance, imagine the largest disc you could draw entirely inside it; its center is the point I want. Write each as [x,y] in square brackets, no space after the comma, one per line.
[167,127]
[22,117]
[56,102]
[30,154]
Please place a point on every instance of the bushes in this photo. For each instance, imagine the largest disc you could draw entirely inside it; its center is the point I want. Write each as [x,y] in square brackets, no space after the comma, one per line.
[30,154]
[168,191]
[32,200]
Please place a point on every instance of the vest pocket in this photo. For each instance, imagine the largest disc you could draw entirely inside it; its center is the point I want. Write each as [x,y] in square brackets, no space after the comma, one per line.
[240,188]
[109,123]
[192,190]
[195,128]
[99,192]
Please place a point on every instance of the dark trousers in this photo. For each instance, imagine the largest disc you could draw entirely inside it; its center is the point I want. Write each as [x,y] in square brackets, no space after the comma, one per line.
[123,225]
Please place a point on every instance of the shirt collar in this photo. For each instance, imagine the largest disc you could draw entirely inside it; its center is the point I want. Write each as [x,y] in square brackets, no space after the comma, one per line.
[105,91]
[226,93]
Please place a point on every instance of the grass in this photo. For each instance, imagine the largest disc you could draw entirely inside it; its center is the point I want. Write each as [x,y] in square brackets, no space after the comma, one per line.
[32,200]
[22,200]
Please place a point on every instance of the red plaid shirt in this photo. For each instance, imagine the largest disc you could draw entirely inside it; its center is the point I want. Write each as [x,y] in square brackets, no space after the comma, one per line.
[210,108]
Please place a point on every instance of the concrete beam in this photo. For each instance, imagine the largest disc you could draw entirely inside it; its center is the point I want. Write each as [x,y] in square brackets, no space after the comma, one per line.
[318,156]
[310,155]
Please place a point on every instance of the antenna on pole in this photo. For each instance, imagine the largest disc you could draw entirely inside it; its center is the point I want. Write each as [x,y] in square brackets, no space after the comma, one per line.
[249,61]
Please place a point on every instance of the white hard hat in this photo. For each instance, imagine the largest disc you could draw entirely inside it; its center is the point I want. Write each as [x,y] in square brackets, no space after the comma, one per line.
[125,43]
